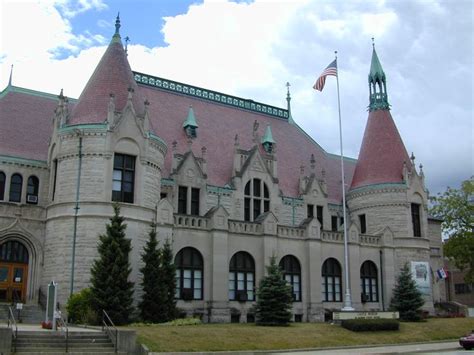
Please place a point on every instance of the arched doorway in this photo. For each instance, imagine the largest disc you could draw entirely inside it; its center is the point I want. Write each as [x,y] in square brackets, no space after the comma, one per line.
[14,259]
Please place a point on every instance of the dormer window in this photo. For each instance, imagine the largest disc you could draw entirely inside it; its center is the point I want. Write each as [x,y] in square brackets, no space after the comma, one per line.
[191,131]
[268,147]
[190,125]
[268,141]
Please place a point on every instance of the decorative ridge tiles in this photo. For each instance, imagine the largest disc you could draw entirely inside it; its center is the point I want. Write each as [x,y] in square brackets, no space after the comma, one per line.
[23,161]
[210,95]
[32,92]
[378,186]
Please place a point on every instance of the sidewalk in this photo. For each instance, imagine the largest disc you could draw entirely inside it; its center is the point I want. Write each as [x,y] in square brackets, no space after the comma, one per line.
[37,327]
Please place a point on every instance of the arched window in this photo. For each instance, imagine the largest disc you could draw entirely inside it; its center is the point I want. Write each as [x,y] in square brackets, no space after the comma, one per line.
[32,190]
[15,188]
[331,281]
[242,277]
[189,274]
[2,185]
[13,252]
[256,199]
[368,282]
[292,274]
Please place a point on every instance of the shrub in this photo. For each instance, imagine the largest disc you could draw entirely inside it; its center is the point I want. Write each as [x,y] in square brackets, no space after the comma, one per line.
[79,308]
[184,321]
[364,325]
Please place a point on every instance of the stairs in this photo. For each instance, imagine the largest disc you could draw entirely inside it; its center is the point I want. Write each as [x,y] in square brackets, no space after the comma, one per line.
[30,314]
[54,343]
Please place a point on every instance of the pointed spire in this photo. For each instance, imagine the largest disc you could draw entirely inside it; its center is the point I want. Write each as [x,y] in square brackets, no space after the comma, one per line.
[190,125]
[377,84]
[116,36]
[288,100]
[11,76]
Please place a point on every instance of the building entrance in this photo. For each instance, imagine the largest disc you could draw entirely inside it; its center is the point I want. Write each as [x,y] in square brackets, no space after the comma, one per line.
[13,271]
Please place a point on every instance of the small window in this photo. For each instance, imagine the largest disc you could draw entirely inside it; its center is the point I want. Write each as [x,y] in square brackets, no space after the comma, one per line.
[189,274]
[310,211]
[415,218]
[32,190]
[254,203]
[182,199]
[334,223]
[163,195]
[331,281]
[291,269]
[462,288]
[242,277]
[319,214]
[363,224]
[195,201]
[123,178]
[2,185]
[16,184]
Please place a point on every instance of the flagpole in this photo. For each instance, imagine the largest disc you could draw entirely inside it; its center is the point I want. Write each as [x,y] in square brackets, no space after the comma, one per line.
[347,295]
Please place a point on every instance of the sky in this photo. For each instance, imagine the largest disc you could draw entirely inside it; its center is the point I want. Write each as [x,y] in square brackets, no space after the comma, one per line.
[252,49]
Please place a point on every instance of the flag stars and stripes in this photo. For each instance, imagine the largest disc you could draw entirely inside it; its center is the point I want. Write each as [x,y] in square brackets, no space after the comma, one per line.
[331,69]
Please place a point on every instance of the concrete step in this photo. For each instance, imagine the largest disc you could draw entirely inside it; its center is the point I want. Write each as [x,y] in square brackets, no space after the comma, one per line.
[61,340]
[63,344]
[84,351]
[36,352]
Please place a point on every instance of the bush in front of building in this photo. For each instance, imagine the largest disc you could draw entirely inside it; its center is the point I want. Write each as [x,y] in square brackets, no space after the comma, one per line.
[111,289]
[407,299]
[274,298]
[370,325]
[79,308]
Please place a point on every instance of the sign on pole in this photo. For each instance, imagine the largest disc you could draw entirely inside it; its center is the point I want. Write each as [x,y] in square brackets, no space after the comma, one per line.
[51,303]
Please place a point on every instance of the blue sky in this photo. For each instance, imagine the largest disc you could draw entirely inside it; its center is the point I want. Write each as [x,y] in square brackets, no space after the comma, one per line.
[252,48]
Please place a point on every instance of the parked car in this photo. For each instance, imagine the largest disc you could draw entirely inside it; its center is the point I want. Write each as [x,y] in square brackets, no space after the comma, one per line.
[467,342]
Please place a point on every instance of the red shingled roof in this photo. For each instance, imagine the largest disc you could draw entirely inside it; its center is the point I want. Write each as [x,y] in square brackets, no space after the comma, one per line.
[112,75]
[382,152]
[26,123]
[218,125]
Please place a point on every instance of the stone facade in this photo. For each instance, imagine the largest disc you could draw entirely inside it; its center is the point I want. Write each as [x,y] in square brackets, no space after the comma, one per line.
[226,222]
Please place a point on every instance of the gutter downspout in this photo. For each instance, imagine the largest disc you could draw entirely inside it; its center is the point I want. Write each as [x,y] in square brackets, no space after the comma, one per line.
[76,211]
[381,280]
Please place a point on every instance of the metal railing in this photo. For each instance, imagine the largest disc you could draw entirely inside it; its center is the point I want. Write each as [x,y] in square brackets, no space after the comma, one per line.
[110,328]
[12,323]
[61,325]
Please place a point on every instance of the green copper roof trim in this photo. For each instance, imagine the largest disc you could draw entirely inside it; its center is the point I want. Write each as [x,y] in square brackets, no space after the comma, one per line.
[23,161]
[379,186]
[378,99]
[337,156]
[167,182]
[297,201]
[209,95]
[21,90]
[268,137]
[191,119]
[219,189]
[156,138]
[86,126]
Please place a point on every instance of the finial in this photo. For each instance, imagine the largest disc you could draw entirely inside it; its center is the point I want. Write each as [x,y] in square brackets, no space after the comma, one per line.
[236,140]
[421,169]
[373,43]
[11,76]
[127,39]
[335,54]
[61,95]
[412,158]
[313,162]
[117,25]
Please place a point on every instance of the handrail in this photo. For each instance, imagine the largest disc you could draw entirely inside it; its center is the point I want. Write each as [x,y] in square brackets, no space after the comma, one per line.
[105,326]
[62,324]
[11,317]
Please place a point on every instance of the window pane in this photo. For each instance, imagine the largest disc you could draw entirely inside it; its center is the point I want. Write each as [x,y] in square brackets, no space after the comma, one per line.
[240,285]
[117,186]
[197,274]
[118,161]
[197,294]
[128,176]
[256,187]
[187,283]
[231,294]
[250,295]
[197,283]
[187,274]
[249,276]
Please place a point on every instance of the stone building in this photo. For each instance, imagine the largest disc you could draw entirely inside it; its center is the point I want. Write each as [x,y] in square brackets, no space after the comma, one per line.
[230,181]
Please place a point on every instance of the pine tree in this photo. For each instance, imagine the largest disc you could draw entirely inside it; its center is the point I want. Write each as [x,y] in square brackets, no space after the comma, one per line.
[152,307]
[111,290]
[168,276]
[406,299]
[274,298]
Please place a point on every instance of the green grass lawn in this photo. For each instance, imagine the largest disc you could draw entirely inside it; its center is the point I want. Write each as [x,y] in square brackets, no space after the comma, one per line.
[228,337]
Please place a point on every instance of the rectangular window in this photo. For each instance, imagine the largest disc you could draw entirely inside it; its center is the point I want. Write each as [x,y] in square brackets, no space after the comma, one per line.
[415,218]
[123,178]
[195,201]
[363,224]
[247,209]
[334,223]
[462,288]
[319,214]
[310,209]
[182,199]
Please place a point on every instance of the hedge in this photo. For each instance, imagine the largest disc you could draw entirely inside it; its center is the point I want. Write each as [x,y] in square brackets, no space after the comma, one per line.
[363,325]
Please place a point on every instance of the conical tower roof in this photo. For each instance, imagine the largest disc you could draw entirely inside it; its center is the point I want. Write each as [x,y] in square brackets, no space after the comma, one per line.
[112,75]
[382,153]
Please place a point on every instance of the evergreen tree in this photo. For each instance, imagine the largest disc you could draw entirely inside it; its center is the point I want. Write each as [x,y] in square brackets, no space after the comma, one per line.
[111,290]
[168,277]
[274,298]
[406,299]
[152,306]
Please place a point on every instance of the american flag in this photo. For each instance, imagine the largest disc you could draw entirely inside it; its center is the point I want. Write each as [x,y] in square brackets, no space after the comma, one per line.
[331,69]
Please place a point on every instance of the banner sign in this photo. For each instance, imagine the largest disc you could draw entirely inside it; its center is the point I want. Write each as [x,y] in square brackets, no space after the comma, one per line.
[420,272]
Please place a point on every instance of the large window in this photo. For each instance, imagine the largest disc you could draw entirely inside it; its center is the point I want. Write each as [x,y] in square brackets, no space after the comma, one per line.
[292,274]
[13,251]
[256,199]
[16,184]
[368,282]
[32,190]
[189,274]
[2,185]
[188,200]
[415,219]
[124,178]
[331,281]
[242,277]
